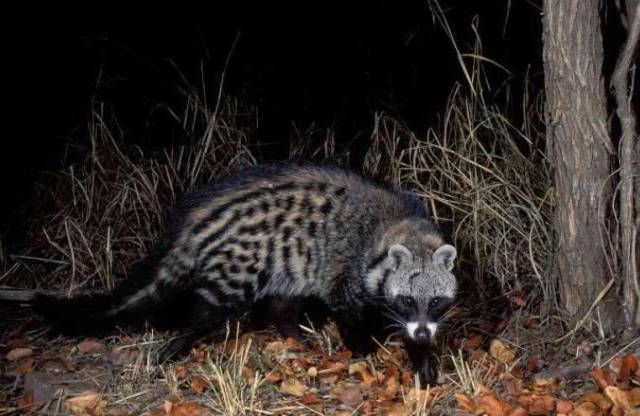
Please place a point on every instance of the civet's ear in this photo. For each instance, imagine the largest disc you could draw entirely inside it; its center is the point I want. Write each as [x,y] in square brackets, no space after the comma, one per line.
[445,255]
[399,254]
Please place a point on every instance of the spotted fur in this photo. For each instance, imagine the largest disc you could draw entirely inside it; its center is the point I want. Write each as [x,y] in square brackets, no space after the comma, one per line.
[366,250]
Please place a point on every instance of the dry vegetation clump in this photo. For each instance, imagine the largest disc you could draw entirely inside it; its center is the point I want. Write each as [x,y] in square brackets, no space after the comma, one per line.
[486,183]
[104,210]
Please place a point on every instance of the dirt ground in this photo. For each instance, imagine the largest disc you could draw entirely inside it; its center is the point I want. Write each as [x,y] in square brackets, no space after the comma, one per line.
[484,370]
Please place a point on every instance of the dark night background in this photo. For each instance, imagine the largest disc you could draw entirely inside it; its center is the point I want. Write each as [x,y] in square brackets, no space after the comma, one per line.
[322,62]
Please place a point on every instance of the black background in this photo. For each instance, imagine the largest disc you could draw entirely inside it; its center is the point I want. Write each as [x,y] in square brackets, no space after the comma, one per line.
[332,63]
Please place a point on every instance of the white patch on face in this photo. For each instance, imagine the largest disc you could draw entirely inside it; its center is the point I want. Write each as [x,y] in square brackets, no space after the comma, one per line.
[411,329]
[432,326]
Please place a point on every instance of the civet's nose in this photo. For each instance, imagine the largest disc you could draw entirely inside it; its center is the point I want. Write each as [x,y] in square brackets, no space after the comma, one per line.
[422,335]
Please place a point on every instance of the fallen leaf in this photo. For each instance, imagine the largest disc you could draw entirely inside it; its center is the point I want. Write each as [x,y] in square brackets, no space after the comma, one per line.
[332,367]
[597,399]
[634,397]
[273,376]
[545,385]
[490,404]
[473,342]
[89,345]
[601,378]
[407,378]
[117,411]
[17,353]
[26,400]
[275,347]
[360,368]
[185,409]
[537,404]
[88,403]
[512,385]
[310,399]
[292,386]
[398,409]
[534,363]
[294,345]
[585,409]
[366,407]
[351,396]
[198,384]
[629,367]
[625,399]
[519,411]
[564,406]
[465,403]
[501,352]
[392,386]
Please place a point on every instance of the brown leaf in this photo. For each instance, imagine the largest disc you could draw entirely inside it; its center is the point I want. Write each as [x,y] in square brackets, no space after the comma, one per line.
[519,411]
[564,406]
[473,342]
[292,386]
[332,367]
[366,407]
[625,399]
[490,404]
[198,384]
[629,367]
[534,363]
[275,347]
[392,386]
[273,376]
[308,399]
[17,353]
[117,411]
[585,409]
[89,345]
[465,403]
[537,404]
[512,385]
[397,409]
[545,385]
[634,397]
[360,368]
[601,378]
[407,378]
[185,409]
[26,400]
[597,399]
[501,352]
[294,345]
[351,396]
[88,403]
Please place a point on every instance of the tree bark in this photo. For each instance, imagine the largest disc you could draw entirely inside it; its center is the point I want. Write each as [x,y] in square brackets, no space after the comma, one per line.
[629,219]
[579,148]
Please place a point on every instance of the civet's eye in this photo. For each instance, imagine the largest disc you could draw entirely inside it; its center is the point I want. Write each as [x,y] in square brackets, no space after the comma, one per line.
[434,302]
[408,302]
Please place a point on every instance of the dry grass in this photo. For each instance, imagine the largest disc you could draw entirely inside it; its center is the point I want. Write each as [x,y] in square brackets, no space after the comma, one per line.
[102,213]
[484,180]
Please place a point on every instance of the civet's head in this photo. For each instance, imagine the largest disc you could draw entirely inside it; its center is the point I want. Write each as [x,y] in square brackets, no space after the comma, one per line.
[416,284]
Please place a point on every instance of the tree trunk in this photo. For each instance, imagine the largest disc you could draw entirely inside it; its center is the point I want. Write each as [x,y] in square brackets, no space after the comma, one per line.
[579,148]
